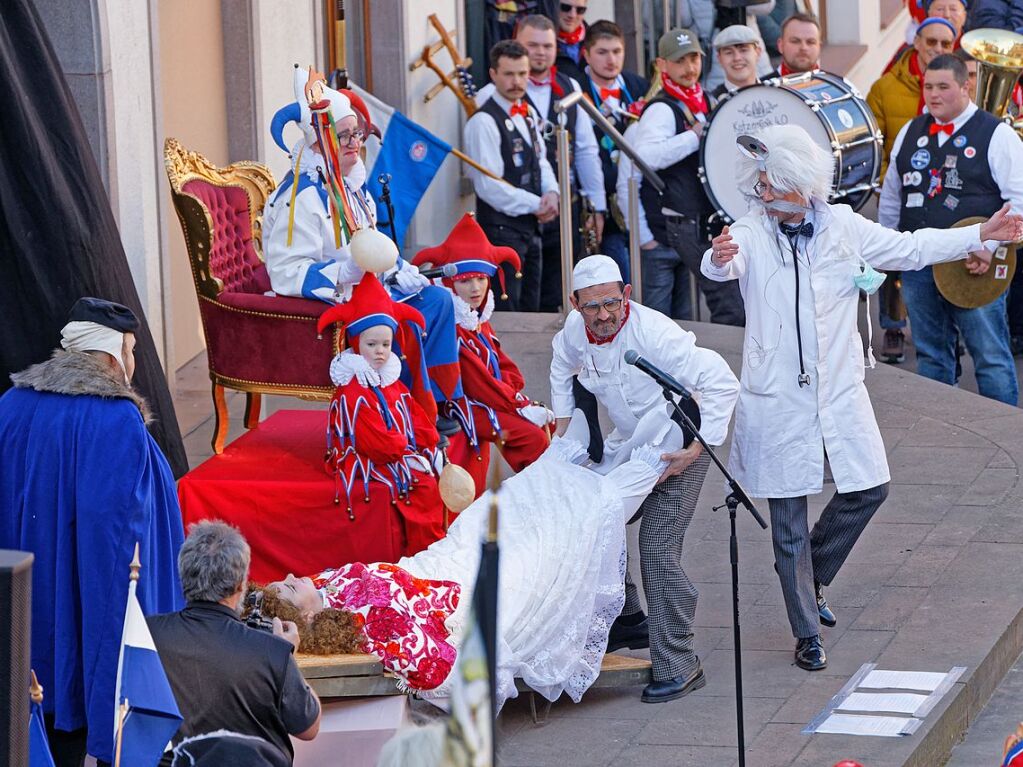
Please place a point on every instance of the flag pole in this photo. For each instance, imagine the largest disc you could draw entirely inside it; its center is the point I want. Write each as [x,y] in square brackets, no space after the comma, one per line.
[35,690]
[122,714]
[473,164]
[134,568]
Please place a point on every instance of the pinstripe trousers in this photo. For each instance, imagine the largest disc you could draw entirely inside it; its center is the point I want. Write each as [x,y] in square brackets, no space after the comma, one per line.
[670,595]
[802,556]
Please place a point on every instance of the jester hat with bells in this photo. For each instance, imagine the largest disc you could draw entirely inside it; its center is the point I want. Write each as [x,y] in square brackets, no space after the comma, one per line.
[472,254]
[317,110]
[370,305]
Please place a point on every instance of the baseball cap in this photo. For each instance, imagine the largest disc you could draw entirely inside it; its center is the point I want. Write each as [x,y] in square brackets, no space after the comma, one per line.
[677,42]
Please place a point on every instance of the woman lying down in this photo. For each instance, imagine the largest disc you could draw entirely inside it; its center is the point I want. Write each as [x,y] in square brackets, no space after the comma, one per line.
[562,567]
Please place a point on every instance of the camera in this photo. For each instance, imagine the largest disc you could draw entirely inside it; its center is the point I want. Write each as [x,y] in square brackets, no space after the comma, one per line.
[252,616]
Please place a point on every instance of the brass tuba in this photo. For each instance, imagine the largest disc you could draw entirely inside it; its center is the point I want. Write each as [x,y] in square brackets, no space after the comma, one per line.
[999,56]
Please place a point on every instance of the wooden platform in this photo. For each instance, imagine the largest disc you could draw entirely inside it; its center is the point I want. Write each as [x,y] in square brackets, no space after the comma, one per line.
[346,676]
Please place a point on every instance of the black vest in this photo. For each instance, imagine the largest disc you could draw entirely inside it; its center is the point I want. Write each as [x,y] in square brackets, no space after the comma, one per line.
[941,186]
[565,83]
[521,169]
[635,88]
[683,192]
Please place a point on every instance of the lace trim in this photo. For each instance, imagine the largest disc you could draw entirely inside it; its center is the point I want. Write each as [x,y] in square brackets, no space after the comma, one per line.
[651,456]
[347,365]
[469,318]
[567,450]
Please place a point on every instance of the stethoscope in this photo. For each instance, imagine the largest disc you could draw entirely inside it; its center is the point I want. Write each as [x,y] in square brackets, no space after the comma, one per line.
[792,237]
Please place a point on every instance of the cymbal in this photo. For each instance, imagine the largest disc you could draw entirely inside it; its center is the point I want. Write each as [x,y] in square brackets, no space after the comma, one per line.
[971,291]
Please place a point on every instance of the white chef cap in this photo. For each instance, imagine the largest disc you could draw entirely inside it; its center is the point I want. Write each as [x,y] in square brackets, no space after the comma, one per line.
[595,270]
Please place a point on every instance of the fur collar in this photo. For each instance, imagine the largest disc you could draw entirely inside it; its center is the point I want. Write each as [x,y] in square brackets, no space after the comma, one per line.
[348,365]
[75,374]
[469,318]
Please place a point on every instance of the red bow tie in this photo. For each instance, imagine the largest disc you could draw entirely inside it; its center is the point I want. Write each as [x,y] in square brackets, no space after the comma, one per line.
[610,93]
[519,109]
[946,129]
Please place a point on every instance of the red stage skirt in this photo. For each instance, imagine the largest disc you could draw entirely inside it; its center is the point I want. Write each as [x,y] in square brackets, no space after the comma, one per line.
[271,484]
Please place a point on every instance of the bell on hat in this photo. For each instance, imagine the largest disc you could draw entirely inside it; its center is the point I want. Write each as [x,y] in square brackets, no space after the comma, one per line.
[469,250]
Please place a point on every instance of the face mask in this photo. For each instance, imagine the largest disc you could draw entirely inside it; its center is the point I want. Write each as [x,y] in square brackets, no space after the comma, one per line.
[869,279]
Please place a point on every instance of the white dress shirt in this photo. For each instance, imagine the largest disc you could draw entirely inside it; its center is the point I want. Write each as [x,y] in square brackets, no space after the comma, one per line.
[1004,157]
[658,144]
[627,169]
[586,160]
[483,144]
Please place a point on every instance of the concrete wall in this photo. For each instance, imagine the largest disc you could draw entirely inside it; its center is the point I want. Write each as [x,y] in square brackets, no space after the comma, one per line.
[192,96]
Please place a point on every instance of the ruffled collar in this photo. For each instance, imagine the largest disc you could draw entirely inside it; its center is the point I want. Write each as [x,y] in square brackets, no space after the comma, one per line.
[347,365]
[469,318]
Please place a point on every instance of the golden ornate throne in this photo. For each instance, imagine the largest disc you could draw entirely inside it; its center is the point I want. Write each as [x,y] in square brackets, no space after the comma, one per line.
[256,341]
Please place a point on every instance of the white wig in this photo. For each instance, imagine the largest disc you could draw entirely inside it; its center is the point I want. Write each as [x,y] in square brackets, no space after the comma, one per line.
[795,163]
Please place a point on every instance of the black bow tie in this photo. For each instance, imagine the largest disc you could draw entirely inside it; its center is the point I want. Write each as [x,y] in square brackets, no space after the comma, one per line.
[794,230]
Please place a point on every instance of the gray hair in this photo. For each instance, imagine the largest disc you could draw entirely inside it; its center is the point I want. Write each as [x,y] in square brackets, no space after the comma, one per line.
[795,163]
[213,562]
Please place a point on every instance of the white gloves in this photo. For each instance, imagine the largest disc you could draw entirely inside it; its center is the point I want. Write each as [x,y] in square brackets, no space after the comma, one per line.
[419,463]
[409,280]
[537,415]
[348,365]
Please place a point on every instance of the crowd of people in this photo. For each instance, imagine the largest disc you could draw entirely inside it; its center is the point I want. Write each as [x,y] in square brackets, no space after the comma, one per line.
[422,379]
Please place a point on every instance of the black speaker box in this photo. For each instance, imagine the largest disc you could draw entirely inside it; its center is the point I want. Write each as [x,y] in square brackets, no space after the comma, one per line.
[15,654]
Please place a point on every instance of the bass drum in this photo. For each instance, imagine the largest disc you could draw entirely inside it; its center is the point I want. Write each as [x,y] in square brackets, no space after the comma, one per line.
[826,105]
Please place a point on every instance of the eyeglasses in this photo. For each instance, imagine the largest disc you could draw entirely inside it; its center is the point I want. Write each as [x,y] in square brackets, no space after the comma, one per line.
[760,188]
[933,42]
[350,137]
[593,308]
[568,8]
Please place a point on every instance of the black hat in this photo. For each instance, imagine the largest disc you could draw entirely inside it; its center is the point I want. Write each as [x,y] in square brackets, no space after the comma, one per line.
[107,313]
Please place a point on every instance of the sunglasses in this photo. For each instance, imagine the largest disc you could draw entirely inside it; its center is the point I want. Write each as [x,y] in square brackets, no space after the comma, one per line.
[568,8]
[933,42]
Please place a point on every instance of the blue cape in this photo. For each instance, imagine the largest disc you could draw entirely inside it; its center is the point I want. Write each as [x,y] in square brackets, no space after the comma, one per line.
[81,480]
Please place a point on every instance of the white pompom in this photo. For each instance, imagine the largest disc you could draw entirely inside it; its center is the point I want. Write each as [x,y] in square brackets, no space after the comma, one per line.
[373,251]
[457,489]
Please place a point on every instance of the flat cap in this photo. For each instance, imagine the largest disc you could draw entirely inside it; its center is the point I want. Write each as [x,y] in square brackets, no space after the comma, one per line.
[737,34]
[106,313]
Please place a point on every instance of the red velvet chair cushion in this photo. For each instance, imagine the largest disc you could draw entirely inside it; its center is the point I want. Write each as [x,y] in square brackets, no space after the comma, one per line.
[267,340]
[233,258]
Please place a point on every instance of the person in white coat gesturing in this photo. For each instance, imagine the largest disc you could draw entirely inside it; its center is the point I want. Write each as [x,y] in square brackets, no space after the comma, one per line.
[801,264]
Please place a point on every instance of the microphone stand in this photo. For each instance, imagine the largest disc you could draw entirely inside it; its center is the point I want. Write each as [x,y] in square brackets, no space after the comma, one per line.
[384,179]
[735,497]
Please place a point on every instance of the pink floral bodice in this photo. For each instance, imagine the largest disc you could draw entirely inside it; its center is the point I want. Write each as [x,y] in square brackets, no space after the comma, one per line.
[402,618]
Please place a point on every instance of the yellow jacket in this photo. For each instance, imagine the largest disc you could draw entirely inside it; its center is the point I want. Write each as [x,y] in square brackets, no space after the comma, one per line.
[895,100]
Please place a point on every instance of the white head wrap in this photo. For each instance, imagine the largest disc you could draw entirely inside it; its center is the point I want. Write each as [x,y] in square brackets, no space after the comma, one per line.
[595,270]
[93,337]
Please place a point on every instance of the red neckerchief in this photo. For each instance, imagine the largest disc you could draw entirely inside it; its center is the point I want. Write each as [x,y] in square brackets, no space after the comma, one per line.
[918,73]
[691,97]
[601,341]
[784,71]
[556,89]
[572,38]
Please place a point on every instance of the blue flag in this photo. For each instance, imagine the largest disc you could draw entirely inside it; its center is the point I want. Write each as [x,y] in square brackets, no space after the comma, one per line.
[152,713]
[38,746]
[411,155]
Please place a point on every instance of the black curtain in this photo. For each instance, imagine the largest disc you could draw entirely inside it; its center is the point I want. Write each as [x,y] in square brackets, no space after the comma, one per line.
[58,239]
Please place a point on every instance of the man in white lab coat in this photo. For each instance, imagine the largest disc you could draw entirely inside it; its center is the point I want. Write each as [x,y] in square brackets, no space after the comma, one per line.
[801,264]
[592,346]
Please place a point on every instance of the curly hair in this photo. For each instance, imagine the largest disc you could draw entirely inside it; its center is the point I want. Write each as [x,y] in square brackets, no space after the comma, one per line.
[330,632]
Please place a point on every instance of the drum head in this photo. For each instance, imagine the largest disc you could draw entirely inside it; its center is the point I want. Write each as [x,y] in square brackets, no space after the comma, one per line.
[971,291]
[747,111]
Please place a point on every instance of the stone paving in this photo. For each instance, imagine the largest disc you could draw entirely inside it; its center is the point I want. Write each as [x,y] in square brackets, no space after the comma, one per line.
[936,581]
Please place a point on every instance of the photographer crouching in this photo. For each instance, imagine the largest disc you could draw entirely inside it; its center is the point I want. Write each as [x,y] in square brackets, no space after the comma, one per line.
[224,674]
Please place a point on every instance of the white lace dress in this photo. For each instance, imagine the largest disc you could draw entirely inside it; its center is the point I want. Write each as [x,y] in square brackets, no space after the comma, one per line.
[562,561]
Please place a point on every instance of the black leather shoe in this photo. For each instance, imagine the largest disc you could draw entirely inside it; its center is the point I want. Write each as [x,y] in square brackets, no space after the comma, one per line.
[827,617]
[661,692]
[810,654]
[633,635]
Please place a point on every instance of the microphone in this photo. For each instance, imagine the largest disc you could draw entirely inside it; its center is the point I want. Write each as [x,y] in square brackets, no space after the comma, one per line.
[448,270]
[666,381]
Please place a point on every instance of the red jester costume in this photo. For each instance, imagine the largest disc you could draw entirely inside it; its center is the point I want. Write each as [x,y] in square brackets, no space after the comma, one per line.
[494,409]
[380,439]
